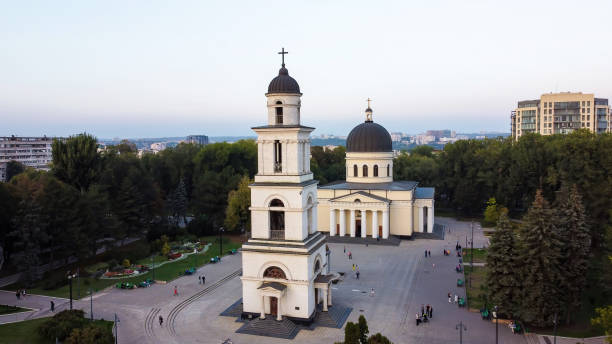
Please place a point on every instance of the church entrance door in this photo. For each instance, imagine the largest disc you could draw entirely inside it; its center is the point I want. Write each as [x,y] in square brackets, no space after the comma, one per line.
[358,228]
[338,229]
[380,231]
[273,305]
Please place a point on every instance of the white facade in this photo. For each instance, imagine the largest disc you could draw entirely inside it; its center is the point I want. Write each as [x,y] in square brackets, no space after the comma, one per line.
[285,268]
[30,151]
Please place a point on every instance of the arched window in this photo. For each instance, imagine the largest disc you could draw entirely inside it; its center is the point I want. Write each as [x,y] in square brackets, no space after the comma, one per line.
[279,113]
[375,170]
[365,170]
[355,171]
[317,266]
[388,170]
[309,215]
[277,220]
[274,272]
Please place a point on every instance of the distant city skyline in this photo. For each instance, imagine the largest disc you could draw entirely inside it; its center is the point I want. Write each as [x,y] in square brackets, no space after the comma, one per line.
[150,69]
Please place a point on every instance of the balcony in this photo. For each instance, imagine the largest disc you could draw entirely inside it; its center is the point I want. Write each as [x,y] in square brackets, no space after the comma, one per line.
[277,234]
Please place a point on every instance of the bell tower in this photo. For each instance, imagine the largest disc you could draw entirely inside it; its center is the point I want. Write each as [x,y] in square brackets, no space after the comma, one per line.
[285,252]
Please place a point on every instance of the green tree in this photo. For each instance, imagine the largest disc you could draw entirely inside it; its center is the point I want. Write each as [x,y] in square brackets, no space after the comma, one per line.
[493,212]
[177,203]
[571,221]
[604,321]
[13,168]
[541,259]
[61,325]
[363,330]
[91,334]
[165,249]
[76,161]
[502,268]
[237,213]
[378,339]
[351,333]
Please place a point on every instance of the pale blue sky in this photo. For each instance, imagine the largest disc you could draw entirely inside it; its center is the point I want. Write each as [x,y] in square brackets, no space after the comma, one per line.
[172,68]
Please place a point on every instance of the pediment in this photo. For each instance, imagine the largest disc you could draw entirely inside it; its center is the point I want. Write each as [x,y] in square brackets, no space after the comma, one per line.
[362,196]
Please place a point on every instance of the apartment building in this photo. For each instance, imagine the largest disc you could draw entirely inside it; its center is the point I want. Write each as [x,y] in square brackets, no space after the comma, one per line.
[31,151]
[561,113]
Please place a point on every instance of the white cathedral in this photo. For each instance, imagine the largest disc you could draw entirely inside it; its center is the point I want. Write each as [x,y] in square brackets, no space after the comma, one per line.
[285,262]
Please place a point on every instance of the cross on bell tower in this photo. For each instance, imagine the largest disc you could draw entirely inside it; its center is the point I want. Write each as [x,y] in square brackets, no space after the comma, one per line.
[368,111]
[283,53]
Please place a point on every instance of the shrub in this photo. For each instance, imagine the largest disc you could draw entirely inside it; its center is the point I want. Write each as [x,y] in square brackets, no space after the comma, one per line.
[351,333]
[378,339]
[93,269]
[126,263]
[165,249]
[90,335]
[62,324]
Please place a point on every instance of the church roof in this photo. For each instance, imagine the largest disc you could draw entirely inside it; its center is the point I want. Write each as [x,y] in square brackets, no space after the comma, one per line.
[283,83]
[401,185]
[273,285]
[369,137]
[424,193]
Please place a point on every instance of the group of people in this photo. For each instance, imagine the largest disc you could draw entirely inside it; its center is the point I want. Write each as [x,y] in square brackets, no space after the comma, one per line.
[425,315]
[451,300]
[202,279]
[356,270]
[427,253]
[20,293]
[349,254]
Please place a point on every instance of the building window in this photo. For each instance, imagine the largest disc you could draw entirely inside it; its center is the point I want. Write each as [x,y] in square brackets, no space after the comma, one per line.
[588,110]
[278,156]
[583,103]
[375,170]
[365,170]
[355,171]
[388,170]
[274,272]
[277,220]
[279,113]
[588,103]
[588,117]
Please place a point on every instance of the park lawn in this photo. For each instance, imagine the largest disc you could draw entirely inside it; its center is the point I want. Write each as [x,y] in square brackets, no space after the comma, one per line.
[480,255]
[166,272]
[476,293]
[25,332]
[4,309]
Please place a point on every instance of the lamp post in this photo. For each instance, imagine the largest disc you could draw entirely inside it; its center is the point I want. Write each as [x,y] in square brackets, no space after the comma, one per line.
[496,322]
[472,254]
[220,241]
[461,328]
[70,277]
[555,330]
[91,304]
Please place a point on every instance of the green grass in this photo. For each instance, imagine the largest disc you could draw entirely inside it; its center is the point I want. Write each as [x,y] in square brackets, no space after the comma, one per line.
[4,309]
[480,255]
[166,272]
[476,292]
[25,332]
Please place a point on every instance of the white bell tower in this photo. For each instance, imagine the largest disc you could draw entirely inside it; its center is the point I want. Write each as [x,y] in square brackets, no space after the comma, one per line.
[285,253]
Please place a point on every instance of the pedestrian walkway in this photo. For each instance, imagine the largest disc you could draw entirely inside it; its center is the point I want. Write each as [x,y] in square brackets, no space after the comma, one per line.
[40,305]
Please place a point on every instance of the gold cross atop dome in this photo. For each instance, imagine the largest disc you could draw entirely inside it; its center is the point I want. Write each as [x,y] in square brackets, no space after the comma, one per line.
[368,111]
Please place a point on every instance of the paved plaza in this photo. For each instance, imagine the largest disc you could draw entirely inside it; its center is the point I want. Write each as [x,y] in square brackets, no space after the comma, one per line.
[401,276]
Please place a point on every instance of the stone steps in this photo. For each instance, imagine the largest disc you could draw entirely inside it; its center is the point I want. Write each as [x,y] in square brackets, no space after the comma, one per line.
[270,327]
[391,241]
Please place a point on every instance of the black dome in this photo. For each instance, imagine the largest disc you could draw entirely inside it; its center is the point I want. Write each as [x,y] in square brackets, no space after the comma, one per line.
[283,83]
[369,137]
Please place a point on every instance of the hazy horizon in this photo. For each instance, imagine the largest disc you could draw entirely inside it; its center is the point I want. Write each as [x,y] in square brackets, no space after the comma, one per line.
[155,69]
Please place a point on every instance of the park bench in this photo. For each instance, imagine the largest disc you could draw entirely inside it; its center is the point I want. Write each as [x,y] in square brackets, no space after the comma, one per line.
[461,302]
[484,313]
[459,282]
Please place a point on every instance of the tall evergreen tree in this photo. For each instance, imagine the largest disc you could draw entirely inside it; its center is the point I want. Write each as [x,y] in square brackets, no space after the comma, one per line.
[541,259]
[76,161]
[503,278]
[571,221]
[177,203]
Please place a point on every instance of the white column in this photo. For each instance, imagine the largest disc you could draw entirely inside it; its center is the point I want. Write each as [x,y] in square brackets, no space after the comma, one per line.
[332,222]
[385,224]
[324,300]
[375,224]
[279,314]
[352,223]
[420,212]
[342,214]
[263,307]
[364,220]
[430,219]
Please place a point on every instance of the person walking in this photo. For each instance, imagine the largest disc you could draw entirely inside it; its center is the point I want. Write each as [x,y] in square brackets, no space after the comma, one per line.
[199,279]
[161,321]
[431,312]
[456,298]
[344,248]
[52,306]
[425,253]
[357,273]
[18,294]
[350,254]
[175,291]
[449,298]
[203,279]
[372,292]
[422,309]
[418,319]
[353,267]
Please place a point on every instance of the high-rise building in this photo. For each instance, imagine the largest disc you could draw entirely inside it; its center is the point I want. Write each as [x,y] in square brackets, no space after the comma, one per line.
[561,113]
[197,139]
[30,151]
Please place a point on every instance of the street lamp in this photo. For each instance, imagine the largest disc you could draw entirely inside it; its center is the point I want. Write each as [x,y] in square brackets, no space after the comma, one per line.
[496,322]
[70,277]
[555,324]
[461,328]
[221,229]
